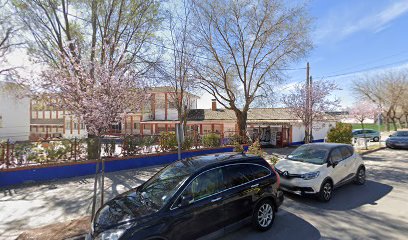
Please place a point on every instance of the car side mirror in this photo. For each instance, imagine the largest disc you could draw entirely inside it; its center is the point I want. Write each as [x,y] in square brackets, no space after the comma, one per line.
[331,163]
[185,200]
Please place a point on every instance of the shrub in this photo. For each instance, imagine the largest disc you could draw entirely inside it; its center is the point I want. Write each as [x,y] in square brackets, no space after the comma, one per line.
[56,150]
[238,147]
[212,140]
[188,143]
[132,145]
[168,141]
[272,159]
[255,149]
[342,133]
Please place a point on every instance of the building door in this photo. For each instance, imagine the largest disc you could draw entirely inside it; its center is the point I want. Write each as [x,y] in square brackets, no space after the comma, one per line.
[285,136]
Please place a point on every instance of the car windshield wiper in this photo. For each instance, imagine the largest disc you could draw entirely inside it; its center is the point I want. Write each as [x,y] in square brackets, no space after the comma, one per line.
[296,159]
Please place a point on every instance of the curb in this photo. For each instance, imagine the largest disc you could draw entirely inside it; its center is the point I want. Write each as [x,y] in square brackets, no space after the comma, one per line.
[371,151]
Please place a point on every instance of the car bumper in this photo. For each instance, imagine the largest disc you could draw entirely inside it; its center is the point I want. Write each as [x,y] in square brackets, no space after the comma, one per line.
[279,198]
[397,145]
[298,185]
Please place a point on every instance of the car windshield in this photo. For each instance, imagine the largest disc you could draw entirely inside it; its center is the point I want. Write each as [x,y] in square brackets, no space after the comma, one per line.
[161,187]
[401,134]
[309,153]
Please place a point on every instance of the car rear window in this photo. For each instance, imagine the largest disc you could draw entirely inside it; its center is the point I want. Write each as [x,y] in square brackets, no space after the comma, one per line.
[235,175]
[206,184]
[401,134]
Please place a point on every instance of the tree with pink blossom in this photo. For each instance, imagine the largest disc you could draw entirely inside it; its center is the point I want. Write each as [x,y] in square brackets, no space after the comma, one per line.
[96,92]
[320,103]
[362,111]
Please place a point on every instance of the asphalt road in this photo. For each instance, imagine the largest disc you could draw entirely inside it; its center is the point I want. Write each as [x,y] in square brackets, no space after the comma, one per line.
[376,210]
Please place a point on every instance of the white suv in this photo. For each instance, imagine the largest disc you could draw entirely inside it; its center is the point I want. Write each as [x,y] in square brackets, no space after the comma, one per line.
[318,168]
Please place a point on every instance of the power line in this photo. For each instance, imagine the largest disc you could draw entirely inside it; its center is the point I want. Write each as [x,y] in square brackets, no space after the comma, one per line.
[362,64]
[364,70]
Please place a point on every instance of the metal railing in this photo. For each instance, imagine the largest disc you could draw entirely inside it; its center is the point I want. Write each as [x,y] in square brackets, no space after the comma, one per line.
[29,153]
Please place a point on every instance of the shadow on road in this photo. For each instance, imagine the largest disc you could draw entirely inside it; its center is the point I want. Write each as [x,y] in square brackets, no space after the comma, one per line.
[346,197]
[286,226]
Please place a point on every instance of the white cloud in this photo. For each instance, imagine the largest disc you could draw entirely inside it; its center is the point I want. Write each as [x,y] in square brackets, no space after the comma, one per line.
[341,24]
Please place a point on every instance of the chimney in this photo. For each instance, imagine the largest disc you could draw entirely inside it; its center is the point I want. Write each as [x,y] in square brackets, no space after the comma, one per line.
[213,104]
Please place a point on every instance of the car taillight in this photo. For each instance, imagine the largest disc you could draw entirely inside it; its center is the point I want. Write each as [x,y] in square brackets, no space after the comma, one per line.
[277,176]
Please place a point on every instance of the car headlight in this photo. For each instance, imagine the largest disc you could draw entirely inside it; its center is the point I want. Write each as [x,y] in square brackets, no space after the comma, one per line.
[113,234]
[311,175]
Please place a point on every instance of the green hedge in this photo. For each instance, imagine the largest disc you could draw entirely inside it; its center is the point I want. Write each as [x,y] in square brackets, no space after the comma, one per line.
[168,141]
[211,140]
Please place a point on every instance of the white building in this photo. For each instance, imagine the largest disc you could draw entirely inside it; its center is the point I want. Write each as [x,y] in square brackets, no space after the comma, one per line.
[14,113]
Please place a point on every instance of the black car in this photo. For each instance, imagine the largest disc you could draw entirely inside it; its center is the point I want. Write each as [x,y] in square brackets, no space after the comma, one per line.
[398,140]
[192,198]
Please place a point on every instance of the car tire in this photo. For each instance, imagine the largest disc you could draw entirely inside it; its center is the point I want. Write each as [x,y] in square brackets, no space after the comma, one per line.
[326,191]
[264,215]
[376,139]
[360,176]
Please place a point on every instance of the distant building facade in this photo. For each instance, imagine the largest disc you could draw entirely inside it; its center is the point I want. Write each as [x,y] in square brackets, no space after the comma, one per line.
[49,122]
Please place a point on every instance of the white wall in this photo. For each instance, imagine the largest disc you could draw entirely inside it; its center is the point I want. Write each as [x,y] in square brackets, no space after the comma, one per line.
[353,120]
[15,116]
[320,130]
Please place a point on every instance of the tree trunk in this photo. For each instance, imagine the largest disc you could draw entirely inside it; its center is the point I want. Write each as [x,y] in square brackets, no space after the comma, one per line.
[307,134]
[394,123]
[387,121]
[93,145]
[242,125]
[406,120]
[364,136]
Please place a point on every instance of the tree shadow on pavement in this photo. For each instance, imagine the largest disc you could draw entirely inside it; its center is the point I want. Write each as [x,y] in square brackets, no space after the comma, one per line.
[346,197]
[286,226]
[32,205]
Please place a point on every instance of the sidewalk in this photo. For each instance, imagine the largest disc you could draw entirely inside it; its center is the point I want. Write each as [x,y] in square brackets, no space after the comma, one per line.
[35,205]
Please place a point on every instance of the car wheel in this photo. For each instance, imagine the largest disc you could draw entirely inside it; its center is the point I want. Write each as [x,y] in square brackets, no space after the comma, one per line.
[376,139]
[361,176]
[326,191]
[263,215]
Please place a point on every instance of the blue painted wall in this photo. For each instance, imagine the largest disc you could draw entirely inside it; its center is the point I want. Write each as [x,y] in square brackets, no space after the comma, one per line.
[58,172]
[302,142]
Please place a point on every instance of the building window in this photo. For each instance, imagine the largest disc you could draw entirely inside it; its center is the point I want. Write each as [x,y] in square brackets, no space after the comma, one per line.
[136,125]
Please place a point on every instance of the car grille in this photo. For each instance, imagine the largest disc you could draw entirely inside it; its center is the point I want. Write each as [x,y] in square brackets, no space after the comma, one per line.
[286,174]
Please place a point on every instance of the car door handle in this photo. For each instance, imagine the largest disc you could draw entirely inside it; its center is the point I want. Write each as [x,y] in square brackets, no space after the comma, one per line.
[255,185]
[216,199]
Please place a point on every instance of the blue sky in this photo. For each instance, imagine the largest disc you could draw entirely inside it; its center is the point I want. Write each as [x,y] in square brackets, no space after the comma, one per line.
[350,36]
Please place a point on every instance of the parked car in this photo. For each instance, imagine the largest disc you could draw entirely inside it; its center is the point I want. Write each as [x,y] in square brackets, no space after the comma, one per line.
[318,168]
[193,198]
[398,140]
[371,134]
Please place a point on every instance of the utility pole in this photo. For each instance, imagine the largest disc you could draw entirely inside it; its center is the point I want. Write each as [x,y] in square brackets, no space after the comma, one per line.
[307,117]
[310,109]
